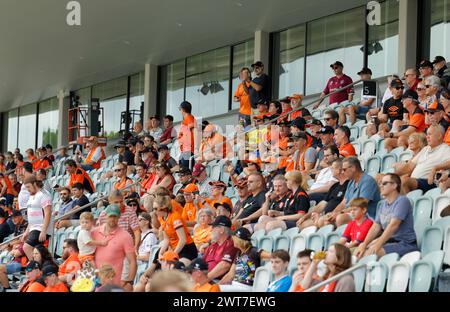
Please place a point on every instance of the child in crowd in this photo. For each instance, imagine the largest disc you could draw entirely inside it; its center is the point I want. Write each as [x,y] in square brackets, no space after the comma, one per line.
[86,244]
[279,261]
[199,274]
[357,229]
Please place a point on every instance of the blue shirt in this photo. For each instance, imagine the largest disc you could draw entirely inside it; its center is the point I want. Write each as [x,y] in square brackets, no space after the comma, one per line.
[65,207]
[366,188]
[401,209]
[281,285]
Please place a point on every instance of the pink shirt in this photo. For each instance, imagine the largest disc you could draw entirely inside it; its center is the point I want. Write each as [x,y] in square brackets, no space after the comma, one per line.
[120,243]
[128,220]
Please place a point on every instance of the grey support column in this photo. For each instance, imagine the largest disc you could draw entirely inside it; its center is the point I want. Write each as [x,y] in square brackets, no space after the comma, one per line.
[63,109]
[262,48]
[407,47]
[150,90]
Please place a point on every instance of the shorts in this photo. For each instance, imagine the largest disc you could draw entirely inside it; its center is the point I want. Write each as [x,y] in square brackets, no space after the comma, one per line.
[402,248]
[362,110]
[33,238]
[13,267]
[290,224]
[125,270]
[423,185]
[189,252]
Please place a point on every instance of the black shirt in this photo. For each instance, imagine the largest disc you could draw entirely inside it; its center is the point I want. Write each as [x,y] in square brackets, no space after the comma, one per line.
[394,109]
[83,200]
[335,196]
[127,157]
[264,94]
[298,202]
[10,166]
[280,203]
[252,204]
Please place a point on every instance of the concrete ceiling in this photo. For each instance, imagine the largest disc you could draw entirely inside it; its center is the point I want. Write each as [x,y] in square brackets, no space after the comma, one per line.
[40,54]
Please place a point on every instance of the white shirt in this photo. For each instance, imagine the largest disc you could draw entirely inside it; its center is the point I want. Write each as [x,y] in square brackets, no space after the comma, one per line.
[23,197]
[429,158]
[324,177]
[156,133]
[35,209]
[149,240]
[84,237]
[97,154]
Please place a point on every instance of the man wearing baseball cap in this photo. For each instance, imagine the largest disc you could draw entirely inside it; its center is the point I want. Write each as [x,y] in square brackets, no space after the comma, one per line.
[359,110]
[296,104]
[199,173]
[95,155]
[393,108]
[221,253]
[426,69]
[52,283]
[214,146]
[260,85]
[435,115]
[34,282]
[192,205]
[338,81]
[441,70]
[120,247]
[199,273]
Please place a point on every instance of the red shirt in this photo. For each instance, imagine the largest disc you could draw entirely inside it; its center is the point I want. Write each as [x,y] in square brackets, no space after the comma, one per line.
[216,253]
[337,83]
[357,232]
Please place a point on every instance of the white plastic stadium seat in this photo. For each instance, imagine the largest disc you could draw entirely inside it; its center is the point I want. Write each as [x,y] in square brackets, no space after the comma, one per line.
[262,279]
[373,165]
[434,192]
[331,238]
[359,275]
[282,242]
[256,236]
[446,247]
[414,195]
[411,257]
[421,276]
[440,203]
[387,161]
[398,277]
[406,155]
[422,217]
[266,243]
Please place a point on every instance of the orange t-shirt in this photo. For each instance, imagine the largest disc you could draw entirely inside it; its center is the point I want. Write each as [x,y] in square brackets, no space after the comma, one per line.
[202,235]
[9,186]
[60,287]
[124,182]
[417,120]
[224,200]
[189,212]
[97,164]
[34,287]
[80,176]
[283,143]
[245,107]
[71,265]
[186,134]
[173,222]
[447,136]
[347,150]
[207,288]
[176,207]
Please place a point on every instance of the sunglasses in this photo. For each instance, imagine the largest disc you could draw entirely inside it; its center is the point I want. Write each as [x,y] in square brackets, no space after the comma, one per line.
[420,89]
[335,67]
[142,219]
[30,269]
[428,86]
[386,183]
[399,88]
[132,205]
[327,119]
[117,170]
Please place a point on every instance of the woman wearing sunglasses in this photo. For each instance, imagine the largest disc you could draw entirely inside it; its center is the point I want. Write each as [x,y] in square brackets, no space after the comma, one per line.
[148,238]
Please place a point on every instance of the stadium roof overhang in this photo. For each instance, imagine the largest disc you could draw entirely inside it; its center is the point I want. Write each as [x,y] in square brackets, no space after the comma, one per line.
[40,54]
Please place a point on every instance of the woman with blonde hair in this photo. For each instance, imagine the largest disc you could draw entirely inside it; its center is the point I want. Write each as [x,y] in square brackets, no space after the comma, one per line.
[175,232]
[242,273]
[203,229]
[337,259]
[171,281]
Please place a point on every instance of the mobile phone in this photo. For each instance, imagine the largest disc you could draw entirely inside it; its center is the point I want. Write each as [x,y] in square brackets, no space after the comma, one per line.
[438,176]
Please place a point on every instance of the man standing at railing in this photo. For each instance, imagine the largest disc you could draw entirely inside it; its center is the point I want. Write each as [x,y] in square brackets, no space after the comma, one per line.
[260,85]
[187,135]
[339,80]
[39,210]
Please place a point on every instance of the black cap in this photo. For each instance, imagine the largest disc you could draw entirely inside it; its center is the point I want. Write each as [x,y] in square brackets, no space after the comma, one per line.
[3,213]
[163,147]
[49,270]
[146,149]
[284,123]
[365,71]
[186,105]
[16,213]
[327,130]
[299,123]
[435,107]
[300,135]
[224,205]
[257,64]
[155,117]
[438,59]
[425,63]
[338,63]
[121,143]
[222,221]
[396,83]
[262,102]
[286,100]
[179,266]
[32,265]
[184,171]
[316,122]
[198,264]
[243,233]
[410,94]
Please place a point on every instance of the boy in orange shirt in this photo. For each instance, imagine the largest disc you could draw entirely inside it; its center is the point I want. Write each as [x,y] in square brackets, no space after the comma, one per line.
[53,284]
[199,273]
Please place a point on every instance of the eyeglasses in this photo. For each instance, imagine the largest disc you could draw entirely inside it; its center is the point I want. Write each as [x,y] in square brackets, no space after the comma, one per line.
[428,86]
[420,89]
[132,205]
[117,170]
[386,183]
[335,67]
[327,119]
[399,88]
[290,146]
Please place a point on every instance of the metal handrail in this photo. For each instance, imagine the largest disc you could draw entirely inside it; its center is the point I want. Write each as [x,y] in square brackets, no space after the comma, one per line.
[278,118]
[336,277]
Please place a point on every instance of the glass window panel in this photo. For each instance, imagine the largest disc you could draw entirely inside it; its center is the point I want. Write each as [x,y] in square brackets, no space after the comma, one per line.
[27,127]
[292,61]
[112,95]
[207,84]
[48,122]
[13,123]
[338,37]
[383,41]
[136,97]
[175,88]
[440,28]
[243,56]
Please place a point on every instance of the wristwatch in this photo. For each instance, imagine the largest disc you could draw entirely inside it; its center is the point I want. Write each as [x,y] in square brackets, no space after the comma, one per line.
[391,135]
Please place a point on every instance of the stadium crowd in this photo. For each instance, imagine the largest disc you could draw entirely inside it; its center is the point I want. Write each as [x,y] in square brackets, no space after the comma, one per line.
[168,225]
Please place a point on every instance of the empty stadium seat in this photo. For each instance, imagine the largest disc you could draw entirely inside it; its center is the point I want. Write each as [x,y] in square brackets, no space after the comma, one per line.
[316,241]
[387,161]
[377,273]
[446,246]
[282,242]
[433,193]
[421,277]
[398,277]
[440,202]
[405,156]
[373,165]
[359,275]
[262,279]
[432,239]
[256,236]
[414,195]
[422,216]
[299,242]
[331,238]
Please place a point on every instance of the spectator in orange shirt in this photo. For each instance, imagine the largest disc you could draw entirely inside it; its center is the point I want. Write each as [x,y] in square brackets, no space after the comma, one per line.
[199,274]
[191,207]
[30,155]
[213,146]
[187,135]
[296,103]
[242,95]
[34,282]
[217,194]
[78,175]
[203,229]
[123,181]
[95,155]
[52,283]
[342,139]
[69,268]
[275,109]
[402,130]
[43,162]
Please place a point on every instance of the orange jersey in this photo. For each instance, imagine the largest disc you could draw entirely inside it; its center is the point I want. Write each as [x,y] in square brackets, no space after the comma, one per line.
[417,120]
[186,134]
[173,222]
[122,184]
[176,207]
[9,186]
[347,150]
[189,212]
[80,176]
[245,107]
[447,136]
[207,288]
[41,164]
[96,165]
[60,287]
